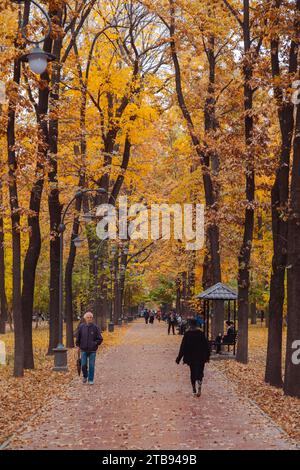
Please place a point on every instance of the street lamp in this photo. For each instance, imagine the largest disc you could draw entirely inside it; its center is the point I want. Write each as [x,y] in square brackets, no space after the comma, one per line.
[60,352]
[37,58]
[96,259]
[111,325]
[87,217]
[78,242]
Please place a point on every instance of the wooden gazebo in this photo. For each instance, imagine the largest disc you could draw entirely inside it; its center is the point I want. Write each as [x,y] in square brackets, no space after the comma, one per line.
[223,293]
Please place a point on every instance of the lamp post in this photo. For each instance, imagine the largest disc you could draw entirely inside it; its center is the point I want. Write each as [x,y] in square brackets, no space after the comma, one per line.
[96,290]
[60,352]
[111,325]
[119,277]
[37,58]
[88,218]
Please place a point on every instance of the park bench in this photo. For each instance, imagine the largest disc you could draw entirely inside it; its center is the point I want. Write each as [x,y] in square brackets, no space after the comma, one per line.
[232,342]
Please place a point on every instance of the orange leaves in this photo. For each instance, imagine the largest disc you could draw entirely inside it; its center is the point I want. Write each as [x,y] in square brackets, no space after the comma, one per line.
[249,379]
[20,399]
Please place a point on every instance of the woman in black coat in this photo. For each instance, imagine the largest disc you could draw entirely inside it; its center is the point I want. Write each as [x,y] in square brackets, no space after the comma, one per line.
[195,352]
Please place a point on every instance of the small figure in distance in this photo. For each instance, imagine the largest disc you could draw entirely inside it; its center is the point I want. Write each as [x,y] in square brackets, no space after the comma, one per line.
[151,317]
[171,322]
[146,316]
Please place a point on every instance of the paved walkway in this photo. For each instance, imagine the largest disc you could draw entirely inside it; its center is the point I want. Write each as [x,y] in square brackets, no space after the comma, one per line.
[142,400]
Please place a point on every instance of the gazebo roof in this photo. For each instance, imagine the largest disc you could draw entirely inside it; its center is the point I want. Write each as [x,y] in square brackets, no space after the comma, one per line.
[218,292]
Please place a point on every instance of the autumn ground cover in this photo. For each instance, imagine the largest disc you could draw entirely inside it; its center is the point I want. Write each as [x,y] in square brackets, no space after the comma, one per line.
[249,379]
[21,398]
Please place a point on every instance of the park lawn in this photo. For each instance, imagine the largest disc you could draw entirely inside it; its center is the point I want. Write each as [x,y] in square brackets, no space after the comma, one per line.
[21,398]
[249,379]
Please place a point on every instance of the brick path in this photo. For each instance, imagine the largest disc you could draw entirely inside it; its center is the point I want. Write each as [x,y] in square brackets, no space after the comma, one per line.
[142,400]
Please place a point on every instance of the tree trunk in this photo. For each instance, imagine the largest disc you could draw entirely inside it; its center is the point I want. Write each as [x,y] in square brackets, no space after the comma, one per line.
[245,251]
[253,313]
[207,279]
[3,299]
[15,217]
[178,294]
[217,324]
[16,238]
[34,247]
[78,204]
[69,271]
[29,270]
[209,190]
[116,299]
[210,126]
[53,196]
[279,201]
[184,292]
[292,375]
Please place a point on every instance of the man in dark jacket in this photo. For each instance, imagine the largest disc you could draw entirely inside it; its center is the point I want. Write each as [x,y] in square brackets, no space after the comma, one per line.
[171,322]
[195,352]
[146,316]
[88,340]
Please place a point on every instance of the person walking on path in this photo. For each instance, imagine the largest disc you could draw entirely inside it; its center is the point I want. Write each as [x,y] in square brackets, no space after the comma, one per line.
[146,315]
[88,340]
[195,352]
[151,317]
[171,322]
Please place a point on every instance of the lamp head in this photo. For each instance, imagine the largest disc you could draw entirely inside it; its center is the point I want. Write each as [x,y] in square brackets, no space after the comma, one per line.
[87,217]
[78,242]
[38,60]
[101,191]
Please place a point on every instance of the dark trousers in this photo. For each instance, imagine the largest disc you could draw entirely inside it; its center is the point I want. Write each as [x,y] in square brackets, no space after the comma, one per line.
[146,320]
[171,325]
[197,372]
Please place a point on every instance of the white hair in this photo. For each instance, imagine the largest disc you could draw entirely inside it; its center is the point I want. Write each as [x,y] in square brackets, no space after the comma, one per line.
[88,313]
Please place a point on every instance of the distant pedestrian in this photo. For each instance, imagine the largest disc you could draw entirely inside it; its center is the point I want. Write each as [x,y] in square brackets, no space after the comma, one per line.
[195,352]
[88,340]
[146,316]
[171,322]
[151,317]
[158,316]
